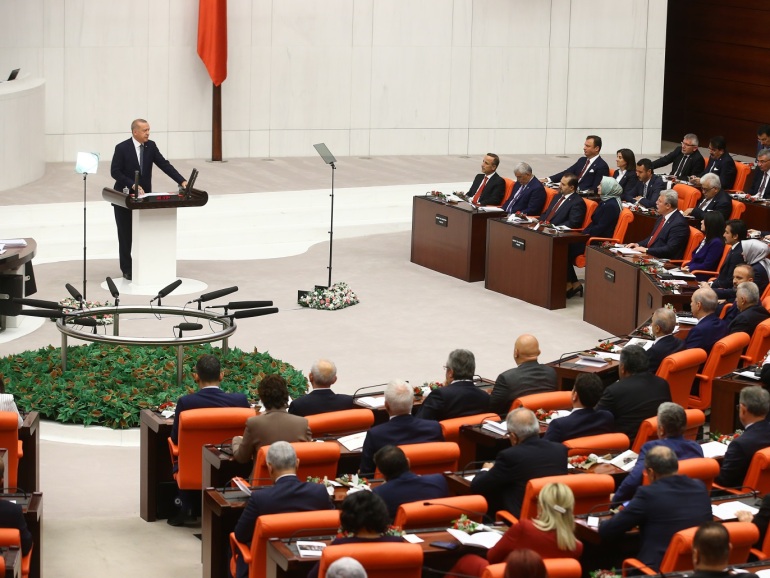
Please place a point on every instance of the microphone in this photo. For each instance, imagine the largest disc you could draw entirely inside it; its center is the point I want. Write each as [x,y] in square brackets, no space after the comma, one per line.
[136,183]
[215,295]
[466,467]
[113,288]
[251,313]
[38,303]
[477,514]
[42,313]
[166,290]
[188,327]
[355,393]
[74,292]
[242,305]
[569,353]
[304,532]
[84,321]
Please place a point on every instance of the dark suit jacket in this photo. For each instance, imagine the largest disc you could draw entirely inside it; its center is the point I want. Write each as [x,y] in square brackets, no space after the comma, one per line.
[724,168]
[706,333]
[725,278]
[12,516]
[458,399]
[400,429]
[571,213]
[320,401]
[409,487]
[654,187]
[661,349]
[672,239]
[694,165]
[628,181]
[706,257]
[593,176]
[739,453]
[206,397]
[721,202]
[604,219]
[581,422]
[660,510]
[633,399]
[748,320]
[275,425]
[529,377]
[503,486]
[493,192]
[758,174]
[530,202]
[125,162]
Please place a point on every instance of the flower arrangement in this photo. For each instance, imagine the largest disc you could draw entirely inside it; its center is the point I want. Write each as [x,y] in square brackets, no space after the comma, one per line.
[433,384]
[353,481]
[464,524]
[438,194]
[338,296]
[389,531]
[545,415]
[606,345]
[583,462]
[725,438]
[418,391]
[317,480]
[612,573]
[101,319]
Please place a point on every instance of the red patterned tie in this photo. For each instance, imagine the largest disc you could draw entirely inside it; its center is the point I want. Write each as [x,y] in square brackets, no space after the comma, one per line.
[477,196]
[552,212]
[585,168]
[657,230]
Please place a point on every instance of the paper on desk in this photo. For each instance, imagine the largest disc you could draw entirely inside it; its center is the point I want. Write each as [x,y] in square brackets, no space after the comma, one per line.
[353,442]
[726,510]
[713,449]
[676,282]
[412,538]
[625,461]
[372,402]
[167,413]
[590,361]
[749,374]
[680,273]
[515,219]
[687,320]
[11,243]
[608,355]
[760,573]
[242,485]
[309,549]
[490,209]
[643,343]
[626,251]
[495,427]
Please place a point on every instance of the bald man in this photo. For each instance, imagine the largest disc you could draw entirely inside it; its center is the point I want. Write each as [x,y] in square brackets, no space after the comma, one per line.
[321,398]
[527,377]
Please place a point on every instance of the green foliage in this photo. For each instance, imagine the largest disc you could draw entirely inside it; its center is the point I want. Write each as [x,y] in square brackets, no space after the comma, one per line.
[109,385]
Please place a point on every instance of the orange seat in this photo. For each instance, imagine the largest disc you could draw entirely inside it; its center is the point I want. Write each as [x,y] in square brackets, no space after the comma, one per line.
[725,252]
[451,427]
[723,359]
[379,559]
[549,195]
[198,427]
[648,430]
[758,474]
[590,490]
[679,370]
[9,438]
[590,208]
[703,469]
[742,171]
[431,457]
[12,537]
[340,422]
[554,568]
[315,459]
[290,525]
[738,208]
[441,512]
[759,345]
[618,236]
[696,237]
[548,401]
[598,444]
[688,196]
[508,190]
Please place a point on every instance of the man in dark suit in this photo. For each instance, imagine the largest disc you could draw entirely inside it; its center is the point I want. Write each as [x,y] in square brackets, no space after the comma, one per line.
[752,312]
[714,199]
[590,169]
[321,398]
[684,161]
[759,188]
[754,403]
[528,195]
[402,485]
[584,420]
[648,186]
[488,187]
[720,163]
[636,395]
[735,232]
[567,208]
[710,327]
[529,376]
[401,428]
[711,552]
[287,494]
[669,237]
[126,160]
[529,457]
[459,396]
[662,326]
[12,516]
[669,504]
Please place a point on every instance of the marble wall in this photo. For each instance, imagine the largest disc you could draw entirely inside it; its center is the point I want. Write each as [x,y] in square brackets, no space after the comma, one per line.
[368,77]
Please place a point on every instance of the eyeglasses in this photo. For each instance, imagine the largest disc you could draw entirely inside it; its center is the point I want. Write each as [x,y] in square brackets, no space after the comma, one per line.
[687,144]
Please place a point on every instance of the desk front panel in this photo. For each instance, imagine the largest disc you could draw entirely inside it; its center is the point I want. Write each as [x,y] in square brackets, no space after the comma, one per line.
[612,286]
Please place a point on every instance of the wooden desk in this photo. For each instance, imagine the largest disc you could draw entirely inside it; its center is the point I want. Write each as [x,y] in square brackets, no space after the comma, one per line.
[529,264]
[641,227]
[651,296]
[724,397]
[612,288]
[450,239]
[157,488]
[28,477]
[567,371]
[219,468]
[756,215]
[33,516]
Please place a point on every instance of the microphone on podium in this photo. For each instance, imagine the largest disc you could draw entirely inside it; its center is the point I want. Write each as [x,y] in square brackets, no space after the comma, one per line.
[250,313]
[75,294]
[38,303]
[214,295]
[242,305]
[188,327]
[475,513]
[166,290]
[113,290]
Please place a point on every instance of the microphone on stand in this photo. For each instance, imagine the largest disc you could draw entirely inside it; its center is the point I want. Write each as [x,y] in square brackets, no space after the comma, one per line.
[136,183]
[113,290]
[166,290]
[355,393]
[250,313]
[214,295]
[75,294]
[475,513]
[188,327]
[85,322]
[474,463]
[242,305]
[38,303]
[42,313]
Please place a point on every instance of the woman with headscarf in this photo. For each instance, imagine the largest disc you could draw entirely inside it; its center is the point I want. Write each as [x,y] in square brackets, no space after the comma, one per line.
[602,224]
[755,254]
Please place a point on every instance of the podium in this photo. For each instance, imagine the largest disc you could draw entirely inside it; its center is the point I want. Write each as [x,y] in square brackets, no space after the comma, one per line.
[16,280]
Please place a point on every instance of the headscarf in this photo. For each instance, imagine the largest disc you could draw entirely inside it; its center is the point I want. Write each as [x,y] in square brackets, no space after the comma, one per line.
[611,189]
[754,252]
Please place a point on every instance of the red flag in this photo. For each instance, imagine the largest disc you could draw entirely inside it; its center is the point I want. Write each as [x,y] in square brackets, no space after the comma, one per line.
[212,38]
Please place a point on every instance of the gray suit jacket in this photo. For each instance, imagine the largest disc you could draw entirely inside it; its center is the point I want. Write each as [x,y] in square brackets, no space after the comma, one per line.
[275,425]
[529,377]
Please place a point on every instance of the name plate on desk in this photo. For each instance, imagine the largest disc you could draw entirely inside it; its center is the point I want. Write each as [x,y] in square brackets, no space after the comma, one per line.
[609,274]
[442,221]
[518,243]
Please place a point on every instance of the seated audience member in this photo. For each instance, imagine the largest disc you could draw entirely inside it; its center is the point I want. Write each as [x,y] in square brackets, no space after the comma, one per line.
[711,552]
[708,254]
[584,420]
[662,326]
[741,274]
[529,376]
[528,194]
[710,328]
[459,396]
[401,428]
[755,254]
[760,519]
[589,170]
[12,516]
[273,425]
[714,199]
[321,399]
[752,312]
[684,161]
[7,403]
[345,567]
[524,562]
[602,224]
[551,534]
[529,457]
[648,186]
[759,188]
[763,137]
[670,503]
[669,237]
[287,494]
[735,232]
[636,395]
[488,187]
[402,485]
[752,411]
[364,520]
[720,163]
[625,174]
[672,423]
[567,208]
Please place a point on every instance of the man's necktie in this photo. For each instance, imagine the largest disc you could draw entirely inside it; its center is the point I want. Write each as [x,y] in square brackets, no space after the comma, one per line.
[761,193]
[704,204]
[516,196]
[645,189]
[677,172]
[656,232]
[141,158]
[477,196]
[552,212]
[585,168]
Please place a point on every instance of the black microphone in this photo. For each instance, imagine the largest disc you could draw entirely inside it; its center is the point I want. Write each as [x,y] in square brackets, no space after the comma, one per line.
[355,393]
[84,321]
[42,313]
[475,463]
[166,290]
[252,313]
[563,355]
[242,305]
[305,532]
[215,295]
[74,292]
[188,327]
[476,513]
[136,182]
[113,289]
[38,303]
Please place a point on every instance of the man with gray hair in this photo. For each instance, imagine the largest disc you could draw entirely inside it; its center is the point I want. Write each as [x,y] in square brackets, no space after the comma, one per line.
[684,161]
[346,567]
[669,237]
[662,326]
[530,457]
[401,428]
[752,312]
[321,399]
[287,494]
[672,423]
[752,411]
[759,188]
[459,396]
[710,327]
[714,199]
[528,194]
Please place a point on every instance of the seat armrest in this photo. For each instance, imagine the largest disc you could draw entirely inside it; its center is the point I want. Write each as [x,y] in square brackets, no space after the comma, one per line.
[592,240]
[759,554]
[633,563]
[505,516]
[243,549]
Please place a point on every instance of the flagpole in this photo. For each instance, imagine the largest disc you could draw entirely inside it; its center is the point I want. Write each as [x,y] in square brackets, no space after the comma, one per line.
[216,123]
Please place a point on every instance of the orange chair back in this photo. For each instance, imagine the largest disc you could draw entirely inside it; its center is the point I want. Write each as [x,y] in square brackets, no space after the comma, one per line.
[696,237]
[316,459]
[738,208]
[451,427]
[9,439]
[688,196]
[380,560]
[703,469]
[549,195]
[759,344]
[441,512]
[619,235]
[679,370]
[340,422]
[508,190]
[590,208]
[12,537]
[758,474]
[742,173]
[598,444]
[590,490]
[723,359]
[765,294]
[554,568]
[549,400]
[648,431]
[431,457]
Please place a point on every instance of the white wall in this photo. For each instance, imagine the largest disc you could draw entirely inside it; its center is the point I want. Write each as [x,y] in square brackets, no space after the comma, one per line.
[368,77]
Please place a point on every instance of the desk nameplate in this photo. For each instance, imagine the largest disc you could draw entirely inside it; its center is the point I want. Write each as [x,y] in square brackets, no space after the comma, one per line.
[442,221]
[609,274]
[518,243]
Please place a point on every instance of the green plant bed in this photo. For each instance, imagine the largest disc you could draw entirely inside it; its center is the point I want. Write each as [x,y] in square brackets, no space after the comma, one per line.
[109,385]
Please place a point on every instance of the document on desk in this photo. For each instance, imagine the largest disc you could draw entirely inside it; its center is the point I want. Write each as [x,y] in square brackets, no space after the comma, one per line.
[749,375]
[590,361]
[353,442]
[643,343]
[481,539]
[495,427]
[13,243]
[687,320]
[726,510]
[309,549]
[625,461]
[625,251]
[372,402]
[490,209]
[713,449]
[680,274]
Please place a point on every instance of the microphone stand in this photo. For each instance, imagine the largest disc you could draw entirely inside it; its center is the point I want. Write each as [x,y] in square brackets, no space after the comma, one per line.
[86,163]
[329,159]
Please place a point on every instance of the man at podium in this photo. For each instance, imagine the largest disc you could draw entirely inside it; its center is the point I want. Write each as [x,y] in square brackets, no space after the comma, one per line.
[138,153]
